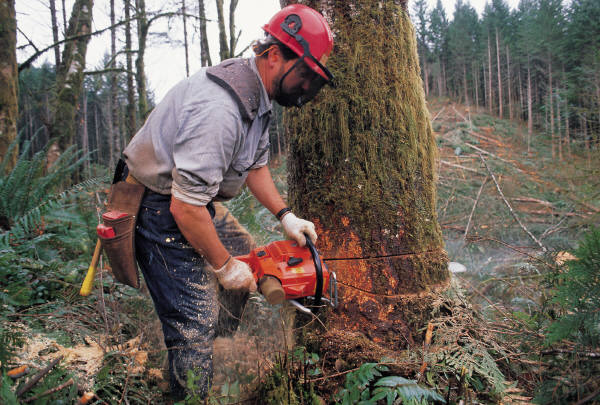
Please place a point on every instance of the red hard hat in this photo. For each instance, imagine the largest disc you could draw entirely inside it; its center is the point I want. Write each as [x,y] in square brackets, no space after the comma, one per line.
[305,31]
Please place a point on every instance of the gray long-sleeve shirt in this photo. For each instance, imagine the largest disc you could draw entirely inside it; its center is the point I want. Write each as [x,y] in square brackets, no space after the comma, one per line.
[195,144]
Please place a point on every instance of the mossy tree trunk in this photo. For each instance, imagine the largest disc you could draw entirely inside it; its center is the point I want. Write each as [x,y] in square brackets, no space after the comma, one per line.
[8,81]
[69,78]
[362,167]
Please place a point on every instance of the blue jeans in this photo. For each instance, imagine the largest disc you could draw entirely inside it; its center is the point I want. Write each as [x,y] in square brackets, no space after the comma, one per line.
[183,292]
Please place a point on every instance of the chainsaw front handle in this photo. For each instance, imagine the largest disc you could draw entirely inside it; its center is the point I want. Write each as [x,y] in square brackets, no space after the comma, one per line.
[318,270]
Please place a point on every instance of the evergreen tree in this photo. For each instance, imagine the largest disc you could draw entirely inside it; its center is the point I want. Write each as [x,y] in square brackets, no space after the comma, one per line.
[582,58]
[463,37]
[438,36]
[422,30]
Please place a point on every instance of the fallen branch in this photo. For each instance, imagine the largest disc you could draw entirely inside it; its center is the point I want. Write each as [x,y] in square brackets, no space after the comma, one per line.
[50,391]
[474,206]
[509,206]
[461,116]
[485,138]
[533,200]
[434,118]
[459,167]
[485,152]
[36,378]
[593,355]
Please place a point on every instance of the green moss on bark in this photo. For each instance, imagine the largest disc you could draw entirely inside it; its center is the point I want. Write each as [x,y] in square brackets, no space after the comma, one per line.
[365,151]
[8,81]
[69,78]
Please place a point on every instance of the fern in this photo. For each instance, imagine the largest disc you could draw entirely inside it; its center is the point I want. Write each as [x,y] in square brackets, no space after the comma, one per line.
[27,193]
[357,388]
[578,294]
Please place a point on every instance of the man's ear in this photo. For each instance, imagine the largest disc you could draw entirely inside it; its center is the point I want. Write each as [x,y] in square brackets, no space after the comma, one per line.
[274,56]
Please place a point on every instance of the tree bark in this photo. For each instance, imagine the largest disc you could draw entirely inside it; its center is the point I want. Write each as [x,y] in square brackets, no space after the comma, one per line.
[500,101]
[490,95]
[54,32]
[529,105]
[185,39]
[465,83]
[69,78]
[485,90]
[140,74]
[204,51]
[426,74]
[232,35]
[362,167]
[476,84]
[567,128]
[85,136]
[551,102]
[9,82]
[223,47]
[510,109]
[113,113]
[130,118]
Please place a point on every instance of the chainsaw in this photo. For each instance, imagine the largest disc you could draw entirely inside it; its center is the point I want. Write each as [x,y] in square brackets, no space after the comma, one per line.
[285,271]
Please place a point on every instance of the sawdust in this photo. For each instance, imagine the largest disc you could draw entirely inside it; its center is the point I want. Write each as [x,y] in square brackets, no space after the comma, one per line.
[85,360]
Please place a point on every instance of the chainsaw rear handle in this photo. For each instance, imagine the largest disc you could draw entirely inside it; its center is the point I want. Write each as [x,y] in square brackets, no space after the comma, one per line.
[318,270]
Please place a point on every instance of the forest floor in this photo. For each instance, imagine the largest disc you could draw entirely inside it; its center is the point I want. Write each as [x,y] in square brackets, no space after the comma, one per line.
[508,213]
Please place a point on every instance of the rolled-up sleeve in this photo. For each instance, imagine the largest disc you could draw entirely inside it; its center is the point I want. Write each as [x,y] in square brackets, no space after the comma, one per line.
[207,139]
[263,151]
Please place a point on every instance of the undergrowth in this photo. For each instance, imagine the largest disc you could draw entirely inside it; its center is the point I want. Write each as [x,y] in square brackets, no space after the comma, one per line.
[523,324]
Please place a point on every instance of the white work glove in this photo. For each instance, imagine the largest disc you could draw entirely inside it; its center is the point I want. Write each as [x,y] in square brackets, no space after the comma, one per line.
[236,275]
[295,228]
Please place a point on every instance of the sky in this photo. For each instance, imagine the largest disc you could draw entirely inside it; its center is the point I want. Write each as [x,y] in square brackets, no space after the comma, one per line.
[165,57]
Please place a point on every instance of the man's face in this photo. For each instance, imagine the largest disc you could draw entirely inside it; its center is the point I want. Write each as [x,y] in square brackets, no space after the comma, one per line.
[297,85]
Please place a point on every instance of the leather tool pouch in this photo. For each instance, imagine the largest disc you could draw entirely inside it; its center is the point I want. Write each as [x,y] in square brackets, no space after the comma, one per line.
[123,203]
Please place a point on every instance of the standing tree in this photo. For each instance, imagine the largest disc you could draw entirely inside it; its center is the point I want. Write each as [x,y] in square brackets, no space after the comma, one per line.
[462,42]
[362,167]
[8,81]
[438,31]
[420,13]
[204,51]
[69,76]
[143,26]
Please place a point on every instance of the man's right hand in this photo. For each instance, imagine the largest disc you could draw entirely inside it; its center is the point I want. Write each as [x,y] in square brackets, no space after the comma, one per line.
[236,275]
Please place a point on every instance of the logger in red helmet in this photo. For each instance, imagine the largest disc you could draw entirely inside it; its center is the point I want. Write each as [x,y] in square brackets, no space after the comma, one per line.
[305,33]
[201,143]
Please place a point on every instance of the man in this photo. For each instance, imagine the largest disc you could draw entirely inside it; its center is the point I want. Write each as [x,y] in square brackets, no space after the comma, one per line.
[201,143]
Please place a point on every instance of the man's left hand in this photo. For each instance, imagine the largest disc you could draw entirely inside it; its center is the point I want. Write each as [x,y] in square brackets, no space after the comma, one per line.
[295,228]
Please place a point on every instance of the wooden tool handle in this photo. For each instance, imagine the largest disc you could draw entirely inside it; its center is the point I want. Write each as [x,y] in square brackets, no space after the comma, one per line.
[271,288]
[88,282]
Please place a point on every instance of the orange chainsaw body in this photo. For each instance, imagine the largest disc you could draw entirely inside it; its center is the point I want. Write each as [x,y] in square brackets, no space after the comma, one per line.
[291,264]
